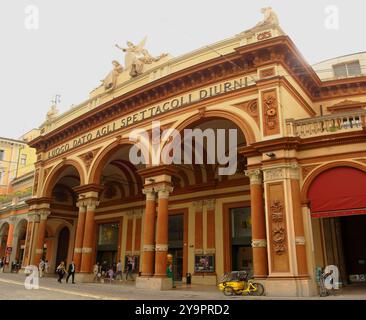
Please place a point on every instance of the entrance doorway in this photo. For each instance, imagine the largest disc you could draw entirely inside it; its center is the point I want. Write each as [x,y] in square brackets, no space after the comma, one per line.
[175,244]
[241,236]
[337,198]
[354,244]
[107,246]
[344,245]
[62,246]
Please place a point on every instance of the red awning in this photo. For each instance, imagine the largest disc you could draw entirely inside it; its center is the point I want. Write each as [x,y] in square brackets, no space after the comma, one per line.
[338,192]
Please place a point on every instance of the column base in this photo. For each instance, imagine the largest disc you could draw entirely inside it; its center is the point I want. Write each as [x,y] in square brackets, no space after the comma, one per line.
[204,279]
[84,277]
[154,283]
[277,287]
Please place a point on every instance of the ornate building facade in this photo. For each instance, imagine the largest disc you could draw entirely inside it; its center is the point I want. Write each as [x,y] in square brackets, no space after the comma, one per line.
[301,169]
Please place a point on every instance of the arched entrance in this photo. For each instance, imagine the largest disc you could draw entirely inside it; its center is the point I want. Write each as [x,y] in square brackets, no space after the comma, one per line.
[60,187]
[21,232]
[120,183]
[63,246]
[337,198]
[204,177]
[3,239]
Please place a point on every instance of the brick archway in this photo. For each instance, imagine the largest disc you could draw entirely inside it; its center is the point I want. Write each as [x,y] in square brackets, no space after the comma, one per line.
[103,158]
[55,174]
[220,114]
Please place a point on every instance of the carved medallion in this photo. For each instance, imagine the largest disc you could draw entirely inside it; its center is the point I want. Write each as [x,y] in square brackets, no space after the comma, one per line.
[270,112]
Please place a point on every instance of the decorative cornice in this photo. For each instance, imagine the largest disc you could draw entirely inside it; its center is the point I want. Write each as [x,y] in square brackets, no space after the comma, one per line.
[281,171]
[154,171]
[88,188]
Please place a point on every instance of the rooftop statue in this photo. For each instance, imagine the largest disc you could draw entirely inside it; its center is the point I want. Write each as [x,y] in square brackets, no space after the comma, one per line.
[137,56]
[270,17]
[52,113]
[110,80]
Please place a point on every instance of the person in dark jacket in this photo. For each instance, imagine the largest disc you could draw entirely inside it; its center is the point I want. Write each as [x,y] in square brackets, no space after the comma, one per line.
[71,272]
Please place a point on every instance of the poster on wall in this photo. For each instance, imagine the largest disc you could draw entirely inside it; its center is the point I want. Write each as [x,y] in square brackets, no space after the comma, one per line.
[134,260]
[204,263]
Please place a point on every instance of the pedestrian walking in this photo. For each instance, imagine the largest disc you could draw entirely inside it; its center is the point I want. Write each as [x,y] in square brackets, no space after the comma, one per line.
[97,271]
[61,271]
[119,270]
[71,272]
[46,267]
[41,267]
[129,270]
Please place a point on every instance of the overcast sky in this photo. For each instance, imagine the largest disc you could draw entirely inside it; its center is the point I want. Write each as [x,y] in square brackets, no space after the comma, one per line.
[73,47]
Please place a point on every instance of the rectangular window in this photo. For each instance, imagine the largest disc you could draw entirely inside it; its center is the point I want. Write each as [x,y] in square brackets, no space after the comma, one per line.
[2,152]
[23,159]
[1,176]
[347,69]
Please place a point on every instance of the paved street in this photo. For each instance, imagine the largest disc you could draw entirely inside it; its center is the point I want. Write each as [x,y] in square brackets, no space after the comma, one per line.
[12,288]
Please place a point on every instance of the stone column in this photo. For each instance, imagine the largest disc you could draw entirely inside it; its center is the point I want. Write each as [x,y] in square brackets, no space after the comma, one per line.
[9,241]
[79,235]
[88,237]
[285,232]
[302,267]
[41,234]
[161,247]
[33,218]
[259,243]
[149,233]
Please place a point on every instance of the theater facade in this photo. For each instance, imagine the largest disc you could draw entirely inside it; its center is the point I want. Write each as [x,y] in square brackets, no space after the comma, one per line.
[296,201]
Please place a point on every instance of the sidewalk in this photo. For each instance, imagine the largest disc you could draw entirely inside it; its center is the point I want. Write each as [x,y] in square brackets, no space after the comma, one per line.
[127,291]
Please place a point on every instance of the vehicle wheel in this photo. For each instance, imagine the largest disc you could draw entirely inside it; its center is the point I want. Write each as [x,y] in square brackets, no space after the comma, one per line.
[259,289]
[229,291]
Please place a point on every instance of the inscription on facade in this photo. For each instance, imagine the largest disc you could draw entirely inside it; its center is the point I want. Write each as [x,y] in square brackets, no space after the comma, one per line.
[150,112]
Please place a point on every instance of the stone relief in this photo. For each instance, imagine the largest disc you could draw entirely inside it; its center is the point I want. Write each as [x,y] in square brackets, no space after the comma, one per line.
[270,111]
[278,227]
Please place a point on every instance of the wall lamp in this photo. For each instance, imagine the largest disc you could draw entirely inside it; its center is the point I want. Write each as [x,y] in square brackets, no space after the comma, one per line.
[271,155]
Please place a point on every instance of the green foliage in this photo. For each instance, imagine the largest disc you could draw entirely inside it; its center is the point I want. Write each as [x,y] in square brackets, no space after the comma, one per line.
[4,198]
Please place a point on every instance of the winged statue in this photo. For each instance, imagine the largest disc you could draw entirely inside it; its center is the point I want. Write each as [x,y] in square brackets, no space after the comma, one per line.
[136,56]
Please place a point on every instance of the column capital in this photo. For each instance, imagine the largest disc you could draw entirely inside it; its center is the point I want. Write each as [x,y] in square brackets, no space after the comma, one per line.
[255,176]
[210,204]
[90,203]
[33,217]
[12,219]
[149,192]
[163,190]
[81,205]
[137,213]
[43,214]
[198,205]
